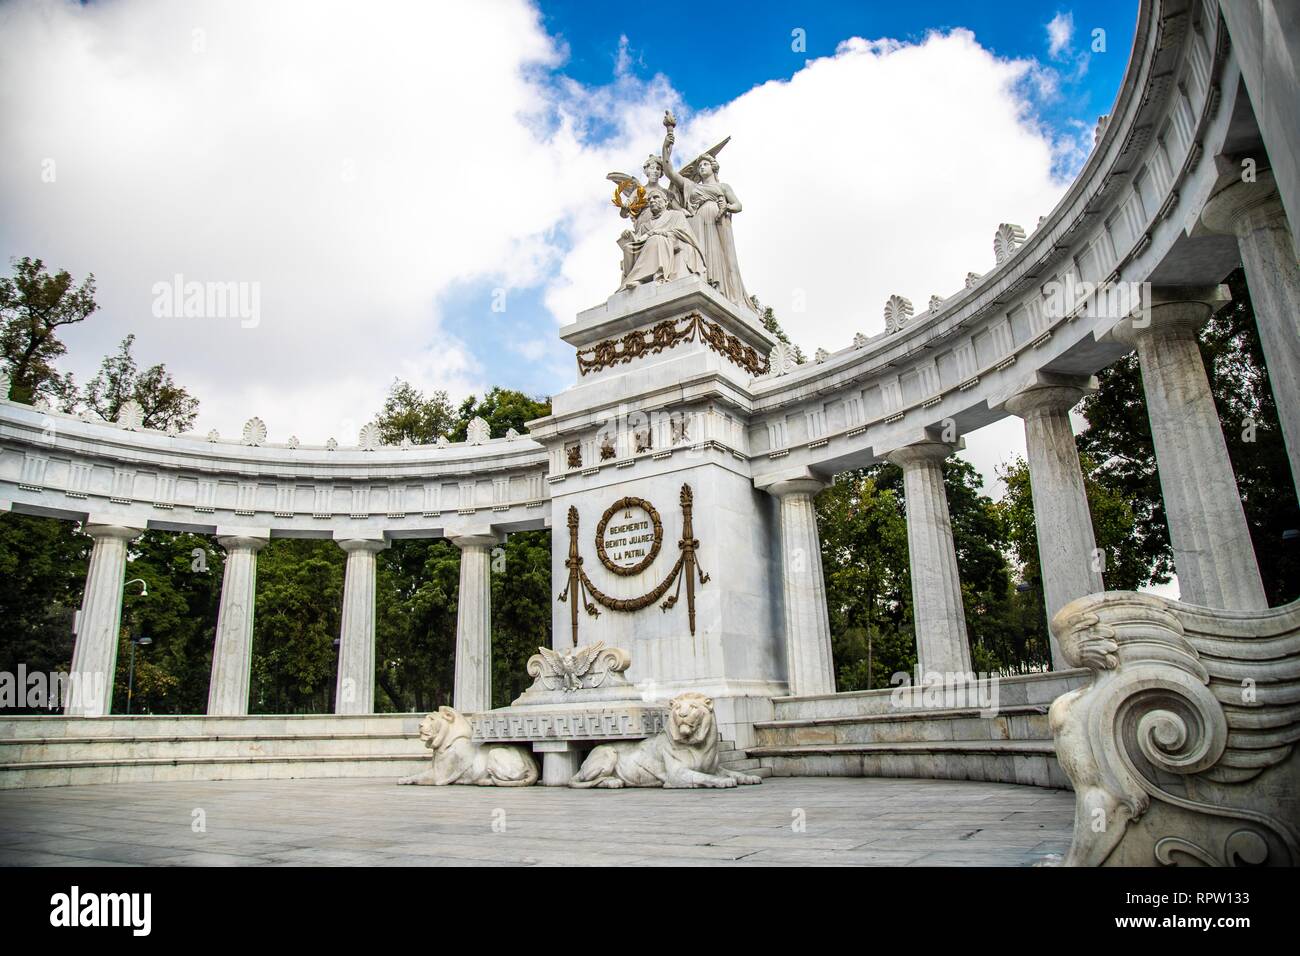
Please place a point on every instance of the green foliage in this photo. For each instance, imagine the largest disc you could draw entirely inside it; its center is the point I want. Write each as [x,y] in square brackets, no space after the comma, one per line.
[417,585]
[502,409]
[863,527]
[299,602]
[42,574]
[770,323]
[33,306]
[409,413]
[179,614]
[118,381]
[521,610]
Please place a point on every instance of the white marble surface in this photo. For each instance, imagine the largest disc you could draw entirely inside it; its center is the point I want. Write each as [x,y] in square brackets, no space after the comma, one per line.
[232,653]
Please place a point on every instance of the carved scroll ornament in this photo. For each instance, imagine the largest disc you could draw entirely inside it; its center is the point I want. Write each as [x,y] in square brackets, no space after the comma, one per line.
[1187,711]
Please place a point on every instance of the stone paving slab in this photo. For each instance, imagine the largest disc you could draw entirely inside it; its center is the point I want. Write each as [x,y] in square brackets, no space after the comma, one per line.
[787,821]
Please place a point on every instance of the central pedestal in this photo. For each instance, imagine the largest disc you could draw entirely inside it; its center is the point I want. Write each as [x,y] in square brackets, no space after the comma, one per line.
[649,444]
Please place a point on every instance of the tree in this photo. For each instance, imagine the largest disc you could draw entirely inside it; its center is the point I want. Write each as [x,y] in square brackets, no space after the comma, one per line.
[409,413]
[299,604]
[417,587]
[33,307]
[863,528]
[165,403]
[42,575]
[770,323]
[503,409]
[183,573]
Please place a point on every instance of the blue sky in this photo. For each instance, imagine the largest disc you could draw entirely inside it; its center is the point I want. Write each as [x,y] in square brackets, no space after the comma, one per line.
[753,41]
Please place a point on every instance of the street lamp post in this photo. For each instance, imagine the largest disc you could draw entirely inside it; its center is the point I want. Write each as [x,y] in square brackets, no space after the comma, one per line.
[130,674]
[143,641]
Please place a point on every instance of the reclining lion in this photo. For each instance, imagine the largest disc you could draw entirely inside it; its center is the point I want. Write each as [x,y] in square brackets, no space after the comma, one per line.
[684,754]
[458,759]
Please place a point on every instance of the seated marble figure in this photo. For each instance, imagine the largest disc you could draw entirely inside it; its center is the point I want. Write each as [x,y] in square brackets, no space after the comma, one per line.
[663,247]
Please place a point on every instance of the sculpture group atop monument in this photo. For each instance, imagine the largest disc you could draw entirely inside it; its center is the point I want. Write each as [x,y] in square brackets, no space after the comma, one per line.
[682,229]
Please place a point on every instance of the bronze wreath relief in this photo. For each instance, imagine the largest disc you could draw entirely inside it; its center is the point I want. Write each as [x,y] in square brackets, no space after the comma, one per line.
[686,569]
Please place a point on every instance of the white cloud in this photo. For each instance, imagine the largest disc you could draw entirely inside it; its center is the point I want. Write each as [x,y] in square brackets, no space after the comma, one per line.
[361,168]
[1060,31]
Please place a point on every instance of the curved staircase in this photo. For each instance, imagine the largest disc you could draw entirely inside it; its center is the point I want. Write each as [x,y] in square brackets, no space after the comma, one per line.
[889,733]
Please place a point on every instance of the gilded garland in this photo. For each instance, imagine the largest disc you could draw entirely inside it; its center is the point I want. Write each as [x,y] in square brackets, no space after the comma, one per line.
[666,335]
[580,587]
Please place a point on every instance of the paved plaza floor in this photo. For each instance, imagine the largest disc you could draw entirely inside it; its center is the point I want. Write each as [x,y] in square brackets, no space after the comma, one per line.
[351,822]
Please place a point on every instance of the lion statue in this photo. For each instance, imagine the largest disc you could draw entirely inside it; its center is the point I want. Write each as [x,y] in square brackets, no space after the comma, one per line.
[684,754]
[458,759]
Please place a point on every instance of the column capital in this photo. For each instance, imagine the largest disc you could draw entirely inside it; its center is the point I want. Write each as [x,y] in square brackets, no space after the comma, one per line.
[923,451]
[1044,398]
[1175,311]
[243,539]
[1240,208]
[481,537]
[100,527]
[795,481]
[354,542]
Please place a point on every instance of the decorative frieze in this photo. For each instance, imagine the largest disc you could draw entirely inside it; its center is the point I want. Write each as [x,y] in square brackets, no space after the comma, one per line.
[668,334]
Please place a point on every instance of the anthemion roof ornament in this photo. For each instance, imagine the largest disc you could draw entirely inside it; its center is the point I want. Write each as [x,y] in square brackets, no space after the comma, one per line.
[859,340]
[477,432]
[368,438]
[292,442]
[972,279]
[332,445]
[214,435]
[897,311]
[781,359]
[935,302]
[254,431]
[1006,240]
[130,416]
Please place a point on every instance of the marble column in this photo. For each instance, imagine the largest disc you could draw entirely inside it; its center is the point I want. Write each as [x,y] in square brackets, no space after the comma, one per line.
[1253,213]
[354,692]
[1063,523]
[232,654]
[1211,542]
[473,688]
[99,623]
[942,647]
[810,668]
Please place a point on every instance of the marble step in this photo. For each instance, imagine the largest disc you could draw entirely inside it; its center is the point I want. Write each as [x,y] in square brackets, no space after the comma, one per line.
[58,773]
[225,746]
[118,725]
[1020,722]
[1006,761]
[1022,689]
